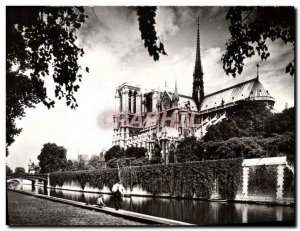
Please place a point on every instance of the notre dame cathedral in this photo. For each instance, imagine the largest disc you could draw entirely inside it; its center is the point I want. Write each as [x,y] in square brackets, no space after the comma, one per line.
[159,120]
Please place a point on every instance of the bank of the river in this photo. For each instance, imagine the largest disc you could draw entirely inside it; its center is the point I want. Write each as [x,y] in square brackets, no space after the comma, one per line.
[25,210]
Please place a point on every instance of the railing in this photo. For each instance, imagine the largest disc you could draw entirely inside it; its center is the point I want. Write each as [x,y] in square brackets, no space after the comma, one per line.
[28,176]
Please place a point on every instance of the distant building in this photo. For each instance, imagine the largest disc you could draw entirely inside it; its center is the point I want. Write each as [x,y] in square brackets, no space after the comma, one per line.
[83,157]
[158,120]
[32,168]
[102,154]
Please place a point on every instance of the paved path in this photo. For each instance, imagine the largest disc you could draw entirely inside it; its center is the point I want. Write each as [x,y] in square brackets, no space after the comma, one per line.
[24,210]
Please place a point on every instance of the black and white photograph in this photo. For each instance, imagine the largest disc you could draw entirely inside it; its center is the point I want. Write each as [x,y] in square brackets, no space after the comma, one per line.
[142,116]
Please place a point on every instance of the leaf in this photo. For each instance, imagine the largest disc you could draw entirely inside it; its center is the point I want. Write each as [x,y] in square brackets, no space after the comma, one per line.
[43,46]
[250,25]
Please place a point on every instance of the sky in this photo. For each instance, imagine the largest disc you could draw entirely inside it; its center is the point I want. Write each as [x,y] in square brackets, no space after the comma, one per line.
[114,53]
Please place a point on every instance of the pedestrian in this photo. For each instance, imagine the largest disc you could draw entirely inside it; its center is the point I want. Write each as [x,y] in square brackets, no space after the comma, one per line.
[100,201]
[118,190]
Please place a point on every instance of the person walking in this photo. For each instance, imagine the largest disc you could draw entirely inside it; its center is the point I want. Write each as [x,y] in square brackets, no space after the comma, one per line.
[118,190]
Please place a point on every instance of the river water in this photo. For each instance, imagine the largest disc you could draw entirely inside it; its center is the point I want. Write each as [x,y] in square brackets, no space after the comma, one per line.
[191,211]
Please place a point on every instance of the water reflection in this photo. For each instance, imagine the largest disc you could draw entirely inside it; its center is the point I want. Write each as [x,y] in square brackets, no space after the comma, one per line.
[192,211]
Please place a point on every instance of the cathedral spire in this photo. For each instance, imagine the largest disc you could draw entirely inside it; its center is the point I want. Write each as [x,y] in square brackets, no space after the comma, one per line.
[175,97]
[198,89]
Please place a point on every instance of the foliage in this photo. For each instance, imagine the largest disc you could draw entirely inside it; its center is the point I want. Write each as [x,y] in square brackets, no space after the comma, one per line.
[238,147]
[19,171]
[8,170]
[119,162]
[69,165]
[229,175]
[251,132]
[262,180]
[132,156]
[40,39]
[112,163]
[193,179]
[37,169]
[114,152]
[79,164]
[52,158]
[244,147]
[146,17]
[156,160]
[189,149]
[135,152]
[96,178]
[288,183]
[95,161]
[249,119]
[140,162]
[19,94]
[252,147]
[281,123]
[250,28]
[276,145]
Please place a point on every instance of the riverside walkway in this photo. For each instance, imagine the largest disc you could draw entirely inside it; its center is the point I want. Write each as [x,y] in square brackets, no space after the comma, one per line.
[26,210]
[54,211]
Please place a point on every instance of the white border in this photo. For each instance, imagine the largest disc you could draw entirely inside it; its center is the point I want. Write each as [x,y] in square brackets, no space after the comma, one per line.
[110,3]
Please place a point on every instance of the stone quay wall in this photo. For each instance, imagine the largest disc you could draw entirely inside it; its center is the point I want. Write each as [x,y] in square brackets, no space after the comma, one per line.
[250,180]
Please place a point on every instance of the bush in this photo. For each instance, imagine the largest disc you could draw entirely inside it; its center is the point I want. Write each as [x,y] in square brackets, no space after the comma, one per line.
[156,160]
[114,152]
[140,162]
[135,152]
[19,171]
[121,162]
[189,149]
[245,147]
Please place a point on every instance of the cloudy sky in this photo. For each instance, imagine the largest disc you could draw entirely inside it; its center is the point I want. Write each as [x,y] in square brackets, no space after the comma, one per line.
[115,54]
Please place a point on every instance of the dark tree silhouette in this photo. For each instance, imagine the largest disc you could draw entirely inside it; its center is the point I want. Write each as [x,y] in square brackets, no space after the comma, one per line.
[114,152]
[136,152]
[189,149]
[43,38]
[249,119]
[52,158]
[20,171]
[8,170]
[40,39]
[250,27]
[146,17]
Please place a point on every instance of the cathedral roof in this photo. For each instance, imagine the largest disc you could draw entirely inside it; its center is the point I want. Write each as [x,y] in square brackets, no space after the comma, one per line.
[182,101]
[251,89]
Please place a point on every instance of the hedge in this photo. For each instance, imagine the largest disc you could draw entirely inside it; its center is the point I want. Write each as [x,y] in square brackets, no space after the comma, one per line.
[190,179]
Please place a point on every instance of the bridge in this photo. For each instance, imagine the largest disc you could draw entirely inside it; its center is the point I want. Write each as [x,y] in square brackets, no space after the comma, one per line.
[33,178]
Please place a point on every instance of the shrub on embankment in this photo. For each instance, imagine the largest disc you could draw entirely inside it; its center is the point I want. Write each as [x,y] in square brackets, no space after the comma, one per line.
[181,179]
